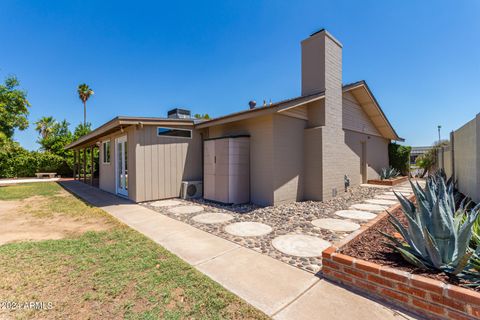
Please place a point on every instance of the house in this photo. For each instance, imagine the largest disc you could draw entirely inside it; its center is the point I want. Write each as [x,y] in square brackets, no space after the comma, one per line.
[298,149]
[417,152]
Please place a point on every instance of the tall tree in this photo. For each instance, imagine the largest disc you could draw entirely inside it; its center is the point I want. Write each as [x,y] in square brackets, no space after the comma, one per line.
[44,126]
[81,130]
[84,93]
[13,107]
[59,136]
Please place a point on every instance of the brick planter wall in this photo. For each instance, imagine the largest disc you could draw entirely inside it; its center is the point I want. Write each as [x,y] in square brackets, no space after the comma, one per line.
[424,296]
[417,294]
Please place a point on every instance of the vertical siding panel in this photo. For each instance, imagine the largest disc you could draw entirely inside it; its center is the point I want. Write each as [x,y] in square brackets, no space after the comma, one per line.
[132,145]
[179,166]
[173,171]
[148,164]
[154,174]
[140,165]
[161,170]
[168,185]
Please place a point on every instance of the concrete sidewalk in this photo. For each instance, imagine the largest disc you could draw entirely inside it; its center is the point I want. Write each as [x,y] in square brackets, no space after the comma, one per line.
[279,290]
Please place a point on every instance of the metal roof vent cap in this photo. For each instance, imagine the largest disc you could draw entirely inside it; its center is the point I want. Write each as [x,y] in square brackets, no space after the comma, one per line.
[252,104]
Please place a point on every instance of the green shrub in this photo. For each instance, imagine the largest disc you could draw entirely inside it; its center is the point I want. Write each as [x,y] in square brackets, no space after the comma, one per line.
[399,157]
[18,162]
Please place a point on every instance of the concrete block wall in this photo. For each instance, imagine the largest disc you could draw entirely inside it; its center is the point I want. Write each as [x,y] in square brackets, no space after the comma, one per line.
[467,158]
[462,158]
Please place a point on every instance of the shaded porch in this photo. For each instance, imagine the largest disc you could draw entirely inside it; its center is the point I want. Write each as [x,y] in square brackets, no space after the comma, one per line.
[86,164]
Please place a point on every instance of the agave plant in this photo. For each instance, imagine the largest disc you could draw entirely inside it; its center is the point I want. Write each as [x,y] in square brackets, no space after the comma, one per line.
[476,233]
[388,173]
[436,236]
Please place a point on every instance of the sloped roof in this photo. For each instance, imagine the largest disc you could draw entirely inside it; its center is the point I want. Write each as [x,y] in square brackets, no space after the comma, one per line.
[359,90]
[122,122]
[259,111]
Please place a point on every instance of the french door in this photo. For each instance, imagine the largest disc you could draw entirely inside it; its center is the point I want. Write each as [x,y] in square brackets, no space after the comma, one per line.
[121,165]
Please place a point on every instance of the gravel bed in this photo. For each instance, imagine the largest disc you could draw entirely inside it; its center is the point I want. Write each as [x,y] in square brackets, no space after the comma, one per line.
[291,218]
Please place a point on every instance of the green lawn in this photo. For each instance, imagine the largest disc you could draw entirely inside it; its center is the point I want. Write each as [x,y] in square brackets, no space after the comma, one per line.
[26,190]
[108,275]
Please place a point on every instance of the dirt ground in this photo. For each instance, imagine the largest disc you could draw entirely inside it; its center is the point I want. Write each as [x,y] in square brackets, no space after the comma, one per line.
[18,223]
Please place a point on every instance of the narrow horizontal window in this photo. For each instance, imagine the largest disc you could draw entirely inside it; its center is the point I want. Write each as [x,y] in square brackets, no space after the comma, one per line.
[106,152]
[174,132]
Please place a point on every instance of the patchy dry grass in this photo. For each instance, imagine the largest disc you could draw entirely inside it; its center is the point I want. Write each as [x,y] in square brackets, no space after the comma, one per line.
[117,273]
[27,190]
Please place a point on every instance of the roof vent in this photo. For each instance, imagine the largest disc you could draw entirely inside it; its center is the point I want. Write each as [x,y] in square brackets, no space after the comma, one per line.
[252,104]
[179,114]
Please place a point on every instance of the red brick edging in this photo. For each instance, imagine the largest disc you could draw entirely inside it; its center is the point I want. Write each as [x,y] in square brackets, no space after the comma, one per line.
[421,295]
[389,182]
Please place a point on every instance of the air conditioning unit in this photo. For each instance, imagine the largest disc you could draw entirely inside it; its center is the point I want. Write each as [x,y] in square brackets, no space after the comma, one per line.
[191,189]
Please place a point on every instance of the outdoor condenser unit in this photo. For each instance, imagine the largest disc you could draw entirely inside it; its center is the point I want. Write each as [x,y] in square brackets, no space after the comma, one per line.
[191,189]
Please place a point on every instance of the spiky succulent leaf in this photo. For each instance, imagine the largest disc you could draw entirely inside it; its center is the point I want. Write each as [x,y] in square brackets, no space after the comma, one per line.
[432,250]
[436,235]
[411,258]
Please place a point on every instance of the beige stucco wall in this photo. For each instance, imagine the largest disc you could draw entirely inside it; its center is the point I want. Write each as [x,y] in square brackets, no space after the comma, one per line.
[376,155]
[162,163]
[313,166]
[467,158]
[261,154]
[288,153]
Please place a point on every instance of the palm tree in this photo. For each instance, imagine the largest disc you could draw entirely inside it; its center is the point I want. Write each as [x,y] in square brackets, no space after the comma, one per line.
[44,126]
[84,93]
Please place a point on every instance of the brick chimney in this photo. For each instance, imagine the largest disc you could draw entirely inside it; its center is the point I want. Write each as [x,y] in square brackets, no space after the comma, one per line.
[322,71]
[324,140]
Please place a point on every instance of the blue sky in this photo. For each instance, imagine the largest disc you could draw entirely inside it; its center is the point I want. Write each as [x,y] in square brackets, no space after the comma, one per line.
[420,58]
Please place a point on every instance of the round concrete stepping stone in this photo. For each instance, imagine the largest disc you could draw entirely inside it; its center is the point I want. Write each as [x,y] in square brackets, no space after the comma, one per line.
[368,207]
[381,202]
[248,229]
[386,197]
[336,225]
[212,217]
[356,214]
[185,209]
[300,245]
[166,203]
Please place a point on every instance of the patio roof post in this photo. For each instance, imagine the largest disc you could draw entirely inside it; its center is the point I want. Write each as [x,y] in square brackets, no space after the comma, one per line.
[92,169]
[74,164]
[79,169]
[85,165]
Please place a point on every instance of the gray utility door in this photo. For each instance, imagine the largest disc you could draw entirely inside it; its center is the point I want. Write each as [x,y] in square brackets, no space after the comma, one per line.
[209,170]
[216,170]
[227,170]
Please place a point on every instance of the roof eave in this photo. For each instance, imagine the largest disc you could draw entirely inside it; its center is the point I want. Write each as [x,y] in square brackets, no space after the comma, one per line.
[126,121]
[247,114]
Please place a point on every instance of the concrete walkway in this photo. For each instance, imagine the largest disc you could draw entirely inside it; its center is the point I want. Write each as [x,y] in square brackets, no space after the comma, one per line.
[26,180]
[279,290]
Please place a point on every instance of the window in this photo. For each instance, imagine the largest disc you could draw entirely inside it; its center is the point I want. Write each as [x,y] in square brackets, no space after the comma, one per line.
[106,152]
[174,132]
